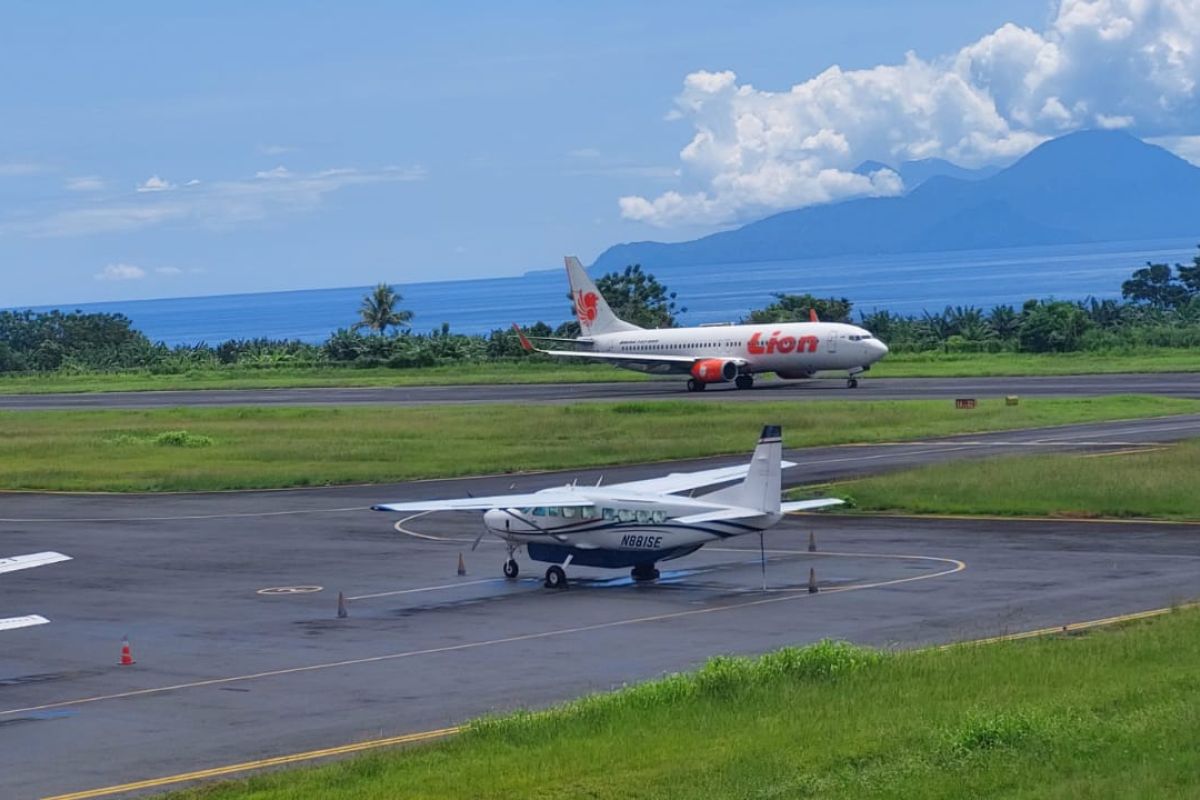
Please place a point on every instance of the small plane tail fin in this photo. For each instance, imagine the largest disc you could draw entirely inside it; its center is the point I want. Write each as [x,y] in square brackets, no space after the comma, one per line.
[761,487]
[591,309]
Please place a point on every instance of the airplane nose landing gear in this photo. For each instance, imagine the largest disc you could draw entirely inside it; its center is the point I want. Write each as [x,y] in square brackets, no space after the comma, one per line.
[644,572]
[511,569]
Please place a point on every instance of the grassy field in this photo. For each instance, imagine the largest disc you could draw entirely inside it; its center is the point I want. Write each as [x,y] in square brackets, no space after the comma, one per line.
[1160,482]
[231,448]
[1109,714]
[897,365]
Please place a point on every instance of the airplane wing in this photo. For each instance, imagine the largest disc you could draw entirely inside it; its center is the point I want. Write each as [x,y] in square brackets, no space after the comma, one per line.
[12,623]
[809,505]
[14,563]
[683,481]
[534,499]
[680,364]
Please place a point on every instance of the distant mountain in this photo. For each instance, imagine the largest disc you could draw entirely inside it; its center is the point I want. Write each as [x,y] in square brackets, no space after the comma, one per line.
[1087,186]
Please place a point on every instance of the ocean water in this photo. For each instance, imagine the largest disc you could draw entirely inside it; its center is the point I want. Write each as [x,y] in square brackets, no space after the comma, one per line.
[906,283]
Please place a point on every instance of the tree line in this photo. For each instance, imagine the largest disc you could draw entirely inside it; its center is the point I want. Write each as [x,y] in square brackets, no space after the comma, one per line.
[1160,307]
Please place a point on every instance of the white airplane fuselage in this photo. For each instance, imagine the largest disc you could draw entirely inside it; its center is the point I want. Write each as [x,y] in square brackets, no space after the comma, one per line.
[615,532]
[792,349]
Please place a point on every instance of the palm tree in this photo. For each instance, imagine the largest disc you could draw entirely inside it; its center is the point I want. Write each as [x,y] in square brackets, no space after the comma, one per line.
[379,310]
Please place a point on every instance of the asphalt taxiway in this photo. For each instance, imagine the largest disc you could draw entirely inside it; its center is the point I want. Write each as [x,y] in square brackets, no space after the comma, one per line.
[229,601]
[1181,384]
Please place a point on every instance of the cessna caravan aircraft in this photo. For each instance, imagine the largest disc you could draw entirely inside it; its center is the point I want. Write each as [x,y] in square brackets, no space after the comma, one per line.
[15,563]
[635,524]
[712,353]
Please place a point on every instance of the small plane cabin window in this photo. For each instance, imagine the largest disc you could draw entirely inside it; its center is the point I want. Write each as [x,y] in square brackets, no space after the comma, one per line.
[568,512]
[588,512]
[626,515]
[552,511]
[643,516]
[610,514]
[659,516]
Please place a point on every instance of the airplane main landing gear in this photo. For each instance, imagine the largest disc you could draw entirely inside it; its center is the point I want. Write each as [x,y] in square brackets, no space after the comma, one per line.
[695,385]
[744,381]
[644,572]
[556,577]
[511,569]
[852,383]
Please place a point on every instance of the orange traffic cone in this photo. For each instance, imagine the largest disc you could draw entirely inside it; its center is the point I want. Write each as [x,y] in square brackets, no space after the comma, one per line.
[462,565]
[126,653]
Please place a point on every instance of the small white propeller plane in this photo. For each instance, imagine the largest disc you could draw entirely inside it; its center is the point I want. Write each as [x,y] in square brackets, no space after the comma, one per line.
[14,563]
[634,524]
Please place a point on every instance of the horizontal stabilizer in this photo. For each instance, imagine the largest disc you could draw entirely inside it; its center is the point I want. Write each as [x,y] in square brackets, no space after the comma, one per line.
[810,505]
[12,623]
[14,563]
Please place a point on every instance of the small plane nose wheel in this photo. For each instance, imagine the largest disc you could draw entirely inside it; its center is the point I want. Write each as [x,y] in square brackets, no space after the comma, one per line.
[511,569]
[852,383]
[556,577]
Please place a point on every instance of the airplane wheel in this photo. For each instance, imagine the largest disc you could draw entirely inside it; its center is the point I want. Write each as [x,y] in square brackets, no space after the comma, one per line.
[556,578]
[695,385]
[744,382]
[852,383]
[511,569]
[644,573]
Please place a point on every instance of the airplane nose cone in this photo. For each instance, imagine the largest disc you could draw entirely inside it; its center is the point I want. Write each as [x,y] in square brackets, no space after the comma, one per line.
[493,519]
[878,349]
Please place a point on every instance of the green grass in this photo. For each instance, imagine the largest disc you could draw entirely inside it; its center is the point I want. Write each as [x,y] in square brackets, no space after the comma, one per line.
[278,447]
[1109,714]
[1153,483]
[896,365]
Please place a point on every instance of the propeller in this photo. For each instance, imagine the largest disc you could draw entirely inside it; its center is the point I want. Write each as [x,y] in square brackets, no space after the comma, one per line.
[479,539]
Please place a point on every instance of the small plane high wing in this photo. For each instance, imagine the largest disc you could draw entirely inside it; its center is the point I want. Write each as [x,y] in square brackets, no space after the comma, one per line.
[685,481]
[14,563]
[548,497]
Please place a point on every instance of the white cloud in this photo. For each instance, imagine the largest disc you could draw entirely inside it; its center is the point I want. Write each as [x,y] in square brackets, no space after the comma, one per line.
[85,183]
[13,169]
[219,204]
[1186,147]
[120,272]
[1132,64]
[154,184]
[168,272]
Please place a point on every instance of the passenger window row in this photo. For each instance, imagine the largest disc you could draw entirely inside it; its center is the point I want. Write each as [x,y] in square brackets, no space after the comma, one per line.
[591,512]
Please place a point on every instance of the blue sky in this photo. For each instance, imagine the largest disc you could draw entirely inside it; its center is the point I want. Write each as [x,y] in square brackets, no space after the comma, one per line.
[173,149]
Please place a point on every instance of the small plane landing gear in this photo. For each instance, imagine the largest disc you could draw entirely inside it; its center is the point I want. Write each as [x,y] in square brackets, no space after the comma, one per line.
[511,569]
[644,572]
[695,385]
[852,383]
[556,577]
[744,381]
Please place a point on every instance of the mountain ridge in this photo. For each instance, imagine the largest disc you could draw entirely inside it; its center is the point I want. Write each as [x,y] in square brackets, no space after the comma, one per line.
[1083,187]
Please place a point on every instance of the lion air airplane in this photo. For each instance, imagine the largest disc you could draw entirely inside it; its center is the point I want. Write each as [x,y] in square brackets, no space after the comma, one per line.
[15,563]
[635,524]
[712,353]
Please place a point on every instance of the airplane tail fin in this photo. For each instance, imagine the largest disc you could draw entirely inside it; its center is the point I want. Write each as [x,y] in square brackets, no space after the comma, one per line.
[761,487]
[591,309]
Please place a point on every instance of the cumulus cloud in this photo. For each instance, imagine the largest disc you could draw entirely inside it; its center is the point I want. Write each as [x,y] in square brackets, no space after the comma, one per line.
[154,184]
[218,204]
[120,272]
[1130,64]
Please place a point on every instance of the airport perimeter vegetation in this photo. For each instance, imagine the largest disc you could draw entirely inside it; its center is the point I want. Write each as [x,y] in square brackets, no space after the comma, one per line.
[924,364]
[1109,712]
[203,449]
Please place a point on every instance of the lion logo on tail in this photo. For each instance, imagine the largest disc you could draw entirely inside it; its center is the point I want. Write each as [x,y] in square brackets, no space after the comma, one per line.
[585,306]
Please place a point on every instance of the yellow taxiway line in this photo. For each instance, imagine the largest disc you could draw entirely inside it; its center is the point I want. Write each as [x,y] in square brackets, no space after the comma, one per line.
[441,733]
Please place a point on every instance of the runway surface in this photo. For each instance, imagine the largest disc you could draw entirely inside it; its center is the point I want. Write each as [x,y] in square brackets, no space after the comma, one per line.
[227,673]
[1168,384]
